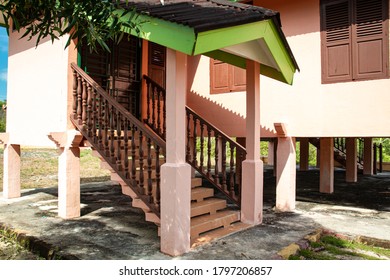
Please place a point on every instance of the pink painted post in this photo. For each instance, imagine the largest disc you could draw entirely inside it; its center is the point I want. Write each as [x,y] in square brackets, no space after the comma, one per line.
[69,182]
[252,167]
[175,173]
[351,164]
[286,174]
[11,179]
[368,165]
[326,165]
[304,154]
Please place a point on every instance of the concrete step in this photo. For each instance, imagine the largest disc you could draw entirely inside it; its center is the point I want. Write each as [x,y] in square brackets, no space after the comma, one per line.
[200,193]
[207,206]
[206,223]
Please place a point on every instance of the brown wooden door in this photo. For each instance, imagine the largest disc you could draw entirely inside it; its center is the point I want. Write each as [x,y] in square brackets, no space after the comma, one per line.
[157,63]
[117,72]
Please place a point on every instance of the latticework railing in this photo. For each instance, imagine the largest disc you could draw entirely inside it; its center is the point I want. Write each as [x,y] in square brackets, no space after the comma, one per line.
[131,149]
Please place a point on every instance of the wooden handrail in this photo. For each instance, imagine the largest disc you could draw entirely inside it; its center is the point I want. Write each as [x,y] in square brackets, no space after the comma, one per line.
[117,106]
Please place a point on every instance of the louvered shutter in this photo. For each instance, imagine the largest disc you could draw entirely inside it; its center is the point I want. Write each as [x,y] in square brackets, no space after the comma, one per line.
[336,38]
[157,59]
[370,40]
[219,76]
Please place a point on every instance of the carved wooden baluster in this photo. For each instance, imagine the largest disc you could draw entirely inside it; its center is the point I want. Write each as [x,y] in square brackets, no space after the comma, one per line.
[101,123]
[158,180]
[194,157]
[133,156]
[112,134]
[216,167]
[201,145]
[95,113]
[74,106]
[159,128]
[232,171]
[79,93]
[224,186]
[84,105]
[188,144]
[164,117]
[239,173]
[106,125]
[208,151]
[141,163]
[126,147]
[149,163]
[153,124]
[148,101]
[89,111]
[119,141]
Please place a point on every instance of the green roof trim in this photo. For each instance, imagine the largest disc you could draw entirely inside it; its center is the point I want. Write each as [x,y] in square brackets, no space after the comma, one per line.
[184,39]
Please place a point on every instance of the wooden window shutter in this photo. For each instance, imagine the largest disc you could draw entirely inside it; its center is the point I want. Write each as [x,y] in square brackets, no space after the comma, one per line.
[371,40]
[226,78]
[157,63]
[219,76]
[336,41]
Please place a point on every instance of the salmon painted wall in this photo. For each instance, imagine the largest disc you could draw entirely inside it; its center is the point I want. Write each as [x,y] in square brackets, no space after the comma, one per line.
[36,90]
[309,108]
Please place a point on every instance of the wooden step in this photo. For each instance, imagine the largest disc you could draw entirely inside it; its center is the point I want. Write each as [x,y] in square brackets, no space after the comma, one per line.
[206,223]
[196,182]
[200,193]
[207,206]
[218,233]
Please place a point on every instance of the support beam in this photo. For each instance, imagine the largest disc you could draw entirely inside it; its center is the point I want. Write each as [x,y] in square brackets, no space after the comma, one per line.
[304,154]
[286,174]
[326,165]
[11,171]
[68,143]
[175,173]
[69,182]
[252,167]
[351,161]
[368,165]
[270,153]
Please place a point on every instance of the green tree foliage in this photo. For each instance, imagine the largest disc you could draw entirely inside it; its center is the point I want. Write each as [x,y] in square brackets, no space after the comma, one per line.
[2,115]
[90,21]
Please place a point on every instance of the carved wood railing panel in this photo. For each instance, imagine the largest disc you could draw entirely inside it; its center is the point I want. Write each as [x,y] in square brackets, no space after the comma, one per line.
[131,149]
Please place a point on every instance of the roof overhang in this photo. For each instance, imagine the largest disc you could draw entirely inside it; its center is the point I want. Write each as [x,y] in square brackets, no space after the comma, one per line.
[260,41]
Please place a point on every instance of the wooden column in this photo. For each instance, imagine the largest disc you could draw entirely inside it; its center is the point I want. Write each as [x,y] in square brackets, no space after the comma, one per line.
[11,171]
[270,153]
[286,174]
[175,173]
[326,165]
[368,165]
[304,154]
[252,167]
[351,161]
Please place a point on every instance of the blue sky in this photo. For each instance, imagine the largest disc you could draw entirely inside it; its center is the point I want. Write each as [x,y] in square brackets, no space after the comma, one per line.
[3,63]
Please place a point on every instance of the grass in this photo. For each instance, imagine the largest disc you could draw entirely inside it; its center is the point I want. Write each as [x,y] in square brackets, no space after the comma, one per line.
[39,168]
[331,247]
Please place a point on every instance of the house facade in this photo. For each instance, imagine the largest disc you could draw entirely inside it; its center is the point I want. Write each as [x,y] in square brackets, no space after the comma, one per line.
[184,99]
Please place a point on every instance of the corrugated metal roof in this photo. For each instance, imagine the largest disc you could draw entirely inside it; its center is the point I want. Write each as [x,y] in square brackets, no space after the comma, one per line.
[204,15]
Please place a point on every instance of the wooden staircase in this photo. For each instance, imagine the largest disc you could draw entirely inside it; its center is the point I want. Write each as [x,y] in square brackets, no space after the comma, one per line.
[134,153]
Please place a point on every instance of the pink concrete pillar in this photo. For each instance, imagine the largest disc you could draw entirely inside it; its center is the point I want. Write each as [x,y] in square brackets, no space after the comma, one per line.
[252,167]
[11,171]
[69,182]
[351,161]
[304,154]
[368,165]
[286,175]
[326,165]
[175,173]
[271,153]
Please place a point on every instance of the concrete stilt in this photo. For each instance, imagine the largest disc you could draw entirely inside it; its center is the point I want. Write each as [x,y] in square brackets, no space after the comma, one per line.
[11,171]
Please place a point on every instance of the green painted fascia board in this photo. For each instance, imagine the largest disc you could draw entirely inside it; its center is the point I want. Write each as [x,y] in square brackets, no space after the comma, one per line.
[220,38]
[241,62]
[280,53]
[175,36]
